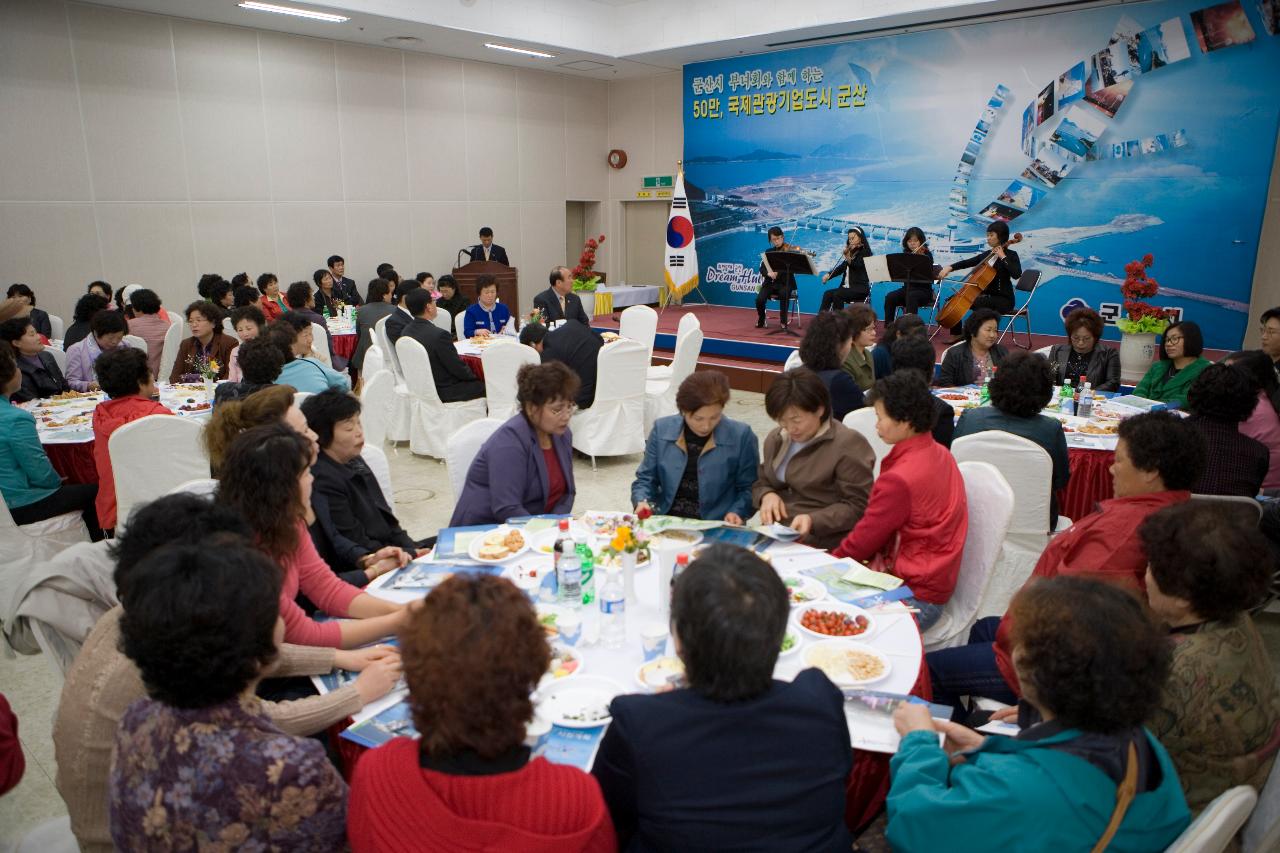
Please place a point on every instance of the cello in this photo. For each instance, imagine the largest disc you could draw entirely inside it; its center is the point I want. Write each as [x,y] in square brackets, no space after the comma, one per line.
[974,286]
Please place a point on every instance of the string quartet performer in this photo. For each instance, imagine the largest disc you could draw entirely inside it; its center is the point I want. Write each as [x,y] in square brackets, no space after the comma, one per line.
[912,294]
[1007,266]
[779,284]
[850,271]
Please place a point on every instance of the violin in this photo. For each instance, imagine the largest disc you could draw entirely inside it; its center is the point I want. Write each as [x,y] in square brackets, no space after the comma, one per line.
[785,247]
[974,286]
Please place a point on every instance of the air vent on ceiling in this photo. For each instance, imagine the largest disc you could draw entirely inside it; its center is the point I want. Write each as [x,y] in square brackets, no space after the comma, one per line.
[584,65]
[403,41]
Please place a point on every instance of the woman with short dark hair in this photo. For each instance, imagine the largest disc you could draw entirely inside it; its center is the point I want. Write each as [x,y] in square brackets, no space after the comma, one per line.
[377,305]
[27,308]
[1085,358]
[914,294]
[736,760]
[487,316]
[906,326]
[249,323]
[974,360]
[858,362]
[149,321]
[526,466]
[914,352]
[108,329]
[206,346]
[1170,378]
[324,294]
[998,296]
[1219,400]
[470,782]
[699,463]
[1263,422]
[826,344]
[41,376]
[1092,665]
[86,307]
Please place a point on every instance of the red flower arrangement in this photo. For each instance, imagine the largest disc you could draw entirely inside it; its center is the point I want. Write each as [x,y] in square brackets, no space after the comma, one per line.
[1144,318]
[584,277]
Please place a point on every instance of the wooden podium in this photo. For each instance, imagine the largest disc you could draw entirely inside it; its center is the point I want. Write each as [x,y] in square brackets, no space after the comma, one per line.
[507,277]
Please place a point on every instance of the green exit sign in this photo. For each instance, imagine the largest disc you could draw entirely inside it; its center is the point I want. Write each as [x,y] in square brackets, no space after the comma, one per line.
[654,182]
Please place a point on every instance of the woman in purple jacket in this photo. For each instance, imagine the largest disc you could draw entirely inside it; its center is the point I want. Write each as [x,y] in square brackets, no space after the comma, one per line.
[526,467]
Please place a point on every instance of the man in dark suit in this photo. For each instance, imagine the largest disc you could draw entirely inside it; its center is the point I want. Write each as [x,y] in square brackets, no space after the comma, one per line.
[344,288]
[398,319]
[454,380]
[559,302]
[576,345]
[488,250]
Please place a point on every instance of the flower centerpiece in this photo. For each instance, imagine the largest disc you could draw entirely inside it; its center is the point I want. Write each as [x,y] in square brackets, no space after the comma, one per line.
[203,367]
[1145,321]
[628,547]
[584,275]
[534,316]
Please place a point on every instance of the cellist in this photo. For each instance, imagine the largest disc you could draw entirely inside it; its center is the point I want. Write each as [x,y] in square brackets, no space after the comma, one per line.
[999,296]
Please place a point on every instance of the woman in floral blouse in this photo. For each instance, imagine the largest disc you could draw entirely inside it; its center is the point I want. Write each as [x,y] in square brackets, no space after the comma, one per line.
[199,764]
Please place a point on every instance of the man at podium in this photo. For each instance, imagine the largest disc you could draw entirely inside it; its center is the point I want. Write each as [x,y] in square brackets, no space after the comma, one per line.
[489,250]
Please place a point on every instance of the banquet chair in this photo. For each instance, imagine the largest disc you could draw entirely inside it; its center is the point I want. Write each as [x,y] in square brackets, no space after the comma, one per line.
[135,342]
[1262,833]
[1232,502]
[1029,471]
[229,328]
[376,459]
[793,361]
[374,361]
[375,405]
[56,327]
[205,487]
[1216,827]
[990,501]
[1044,351]
[688,321]
[400,415]
[639,323]
[863,421]
[152,455]
[614,425]
[501,362]
[300,397]
[27,545]
[60,356]
[169,352]
[463,447]
[660,394]
[51,836]
[320,344]
[443,320]
[433,420]
[1027,283]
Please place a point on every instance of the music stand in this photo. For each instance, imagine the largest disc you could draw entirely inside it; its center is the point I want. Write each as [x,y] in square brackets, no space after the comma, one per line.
[785,262]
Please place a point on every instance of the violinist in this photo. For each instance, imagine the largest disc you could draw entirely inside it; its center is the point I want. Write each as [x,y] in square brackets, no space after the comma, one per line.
[776,285]
[854,285]
[913,294]
[999,296]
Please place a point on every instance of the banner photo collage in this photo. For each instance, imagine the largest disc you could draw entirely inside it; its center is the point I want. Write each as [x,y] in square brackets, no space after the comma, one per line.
[1114,147]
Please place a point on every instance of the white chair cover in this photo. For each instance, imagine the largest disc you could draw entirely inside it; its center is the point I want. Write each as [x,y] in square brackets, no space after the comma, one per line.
[443,320]
[374,361]
[320,344]
[614,425]
[1044,351]
[176,319]
[56,327]
[136,342]
[864,421]
[639,323]
[793,361]
[433,419]
[202,486]
[990,503]
[1262,832]
[660,394]
[400,419]
[376,459]
[60,356]
[26,545]
[140,476]
[230,329]
[502,361]
[1218,824]
[51,836]
[463,447]
[300,397]
[688,321]
[376,400]
[169,352]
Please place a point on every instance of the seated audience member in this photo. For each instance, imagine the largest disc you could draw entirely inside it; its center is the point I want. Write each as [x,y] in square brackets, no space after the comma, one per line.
[826,343]
[266,477]
[575,345]
[377,304]
[914,352]
[453,301]
[736,760]
[815,473]
[974,360]
[1219,713]
[526,467]
[86,307]
[355,530]
[220,294]
[123,375]
[248,323]
[1263,423]
[698,463]
[27,308]
[102,683]
[1169,379]
[245,295]
[205,285]
[301,301]
[271,405]
[1093,665]
[272,303]
[427,280]
[858,362]
[906,326]
[454,381]
[1019,391]
[207,344]
[325,298]
[202,624]
[1220,399]
[559,302]
[1158,457]
[32,490]
[1085,358]
[470,782]
[917,517]
[100,288]
[41,376]
[344,287]
[400,318]
[292,335]
[263,363]
[108,329]
[151,323]
[487,316]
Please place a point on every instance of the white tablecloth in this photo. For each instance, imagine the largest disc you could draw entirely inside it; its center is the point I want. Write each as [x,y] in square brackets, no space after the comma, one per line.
[622,294]
[51,411]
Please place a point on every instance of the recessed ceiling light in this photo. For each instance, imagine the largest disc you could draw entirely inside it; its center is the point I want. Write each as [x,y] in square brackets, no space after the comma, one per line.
[523,50]
[254,6]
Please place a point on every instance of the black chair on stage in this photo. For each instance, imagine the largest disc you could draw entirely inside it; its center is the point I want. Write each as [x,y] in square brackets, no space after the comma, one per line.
[1027,283]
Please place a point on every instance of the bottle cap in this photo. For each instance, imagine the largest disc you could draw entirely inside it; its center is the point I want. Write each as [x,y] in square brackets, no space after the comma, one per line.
[564,525]
[682,559]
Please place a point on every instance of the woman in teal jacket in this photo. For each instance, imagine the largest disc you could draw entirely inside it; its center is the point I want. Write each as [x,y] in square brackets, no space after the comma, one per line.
[1092,666]
[699,464]
[1180,363]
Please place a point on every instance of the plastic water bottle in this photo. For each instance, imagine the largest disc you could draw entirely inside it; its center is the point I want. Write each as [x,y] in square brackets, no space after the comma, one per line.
[1085,407]
[682,563]
[588,563]
[984,393]
[568,567]
[613,612]
[1067,399]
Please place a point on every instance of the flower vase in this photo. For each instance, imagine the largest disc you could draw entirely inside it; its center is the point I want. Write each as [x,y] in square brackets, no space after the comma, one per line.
[208,384]
[1137,351]
[629,576]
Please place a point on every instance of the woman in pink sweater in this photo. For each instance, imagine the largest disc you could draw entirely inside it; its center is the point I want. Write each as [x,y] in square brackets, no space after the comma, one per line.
[266,476]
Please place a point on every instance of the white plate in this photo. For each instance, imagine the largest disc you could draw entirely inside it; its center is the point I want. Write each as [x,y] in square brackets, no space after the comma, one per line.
[795,647]
[652,675]
[839,606]
[474,548]
[543,543]
[815,652]
[561,651]
[563,700]
[802,589]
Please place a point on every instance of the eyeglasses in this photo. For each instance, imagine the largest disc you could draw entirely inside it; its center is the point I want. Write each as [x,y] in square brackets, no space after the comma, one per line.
[1082,339]
[1173,340]
[1270,331]
[563,411]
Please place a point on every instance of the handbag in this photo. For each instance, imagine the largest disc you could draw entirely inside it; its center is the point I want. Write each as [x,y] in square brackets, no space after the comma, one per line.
[1125,793]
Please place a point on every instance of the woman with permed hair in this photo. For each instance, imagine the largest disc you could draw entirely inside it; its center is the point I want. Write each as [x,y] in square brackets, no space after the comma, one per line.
[1085,358]
[1219,400]
[826,344]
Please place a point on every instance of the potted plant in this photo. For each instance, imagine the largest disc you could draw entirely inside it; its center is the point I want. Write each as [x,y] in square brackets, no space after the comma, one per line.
[584,275]
[1138,331]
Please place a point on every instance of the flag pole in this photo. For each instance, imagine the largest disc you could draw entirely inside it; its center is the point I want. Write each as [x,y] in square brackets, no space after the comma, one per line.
[670,296]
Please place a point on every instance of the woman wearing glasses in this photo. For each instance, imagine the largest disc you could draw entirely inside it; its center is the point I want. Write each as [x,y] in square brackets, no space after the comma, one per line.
[1180,363]
[526,467]
[1085,359]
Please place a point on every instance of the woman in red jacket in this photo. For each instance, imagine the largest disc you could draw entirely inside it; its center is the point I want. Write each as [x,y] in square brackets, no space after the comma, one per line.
[916,519]
[473,651]
[123,373]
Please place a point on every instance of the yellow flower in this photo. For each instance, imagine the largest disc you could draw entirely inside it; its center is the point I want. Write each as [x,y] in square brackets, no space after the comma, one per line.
[213,364]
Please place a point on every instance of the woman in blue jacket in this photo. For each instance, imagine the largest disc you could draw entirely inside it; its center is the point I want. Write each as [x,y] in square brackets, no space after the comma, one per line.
[1092,667]
[699,464]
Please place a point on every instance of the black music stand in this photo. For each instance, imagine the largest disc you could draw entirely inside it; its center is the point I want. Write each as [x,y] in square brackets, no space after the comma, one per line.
[783,261]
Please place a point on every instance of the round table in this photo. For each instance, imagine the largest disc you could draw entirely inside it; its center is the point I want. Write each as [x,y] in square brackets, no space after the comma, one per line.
[1090,482]
[342,334]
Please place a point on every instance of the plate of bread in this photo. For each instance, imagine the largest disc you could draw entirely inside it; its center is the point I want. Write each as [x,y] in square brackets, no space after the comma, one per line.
[498,545]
